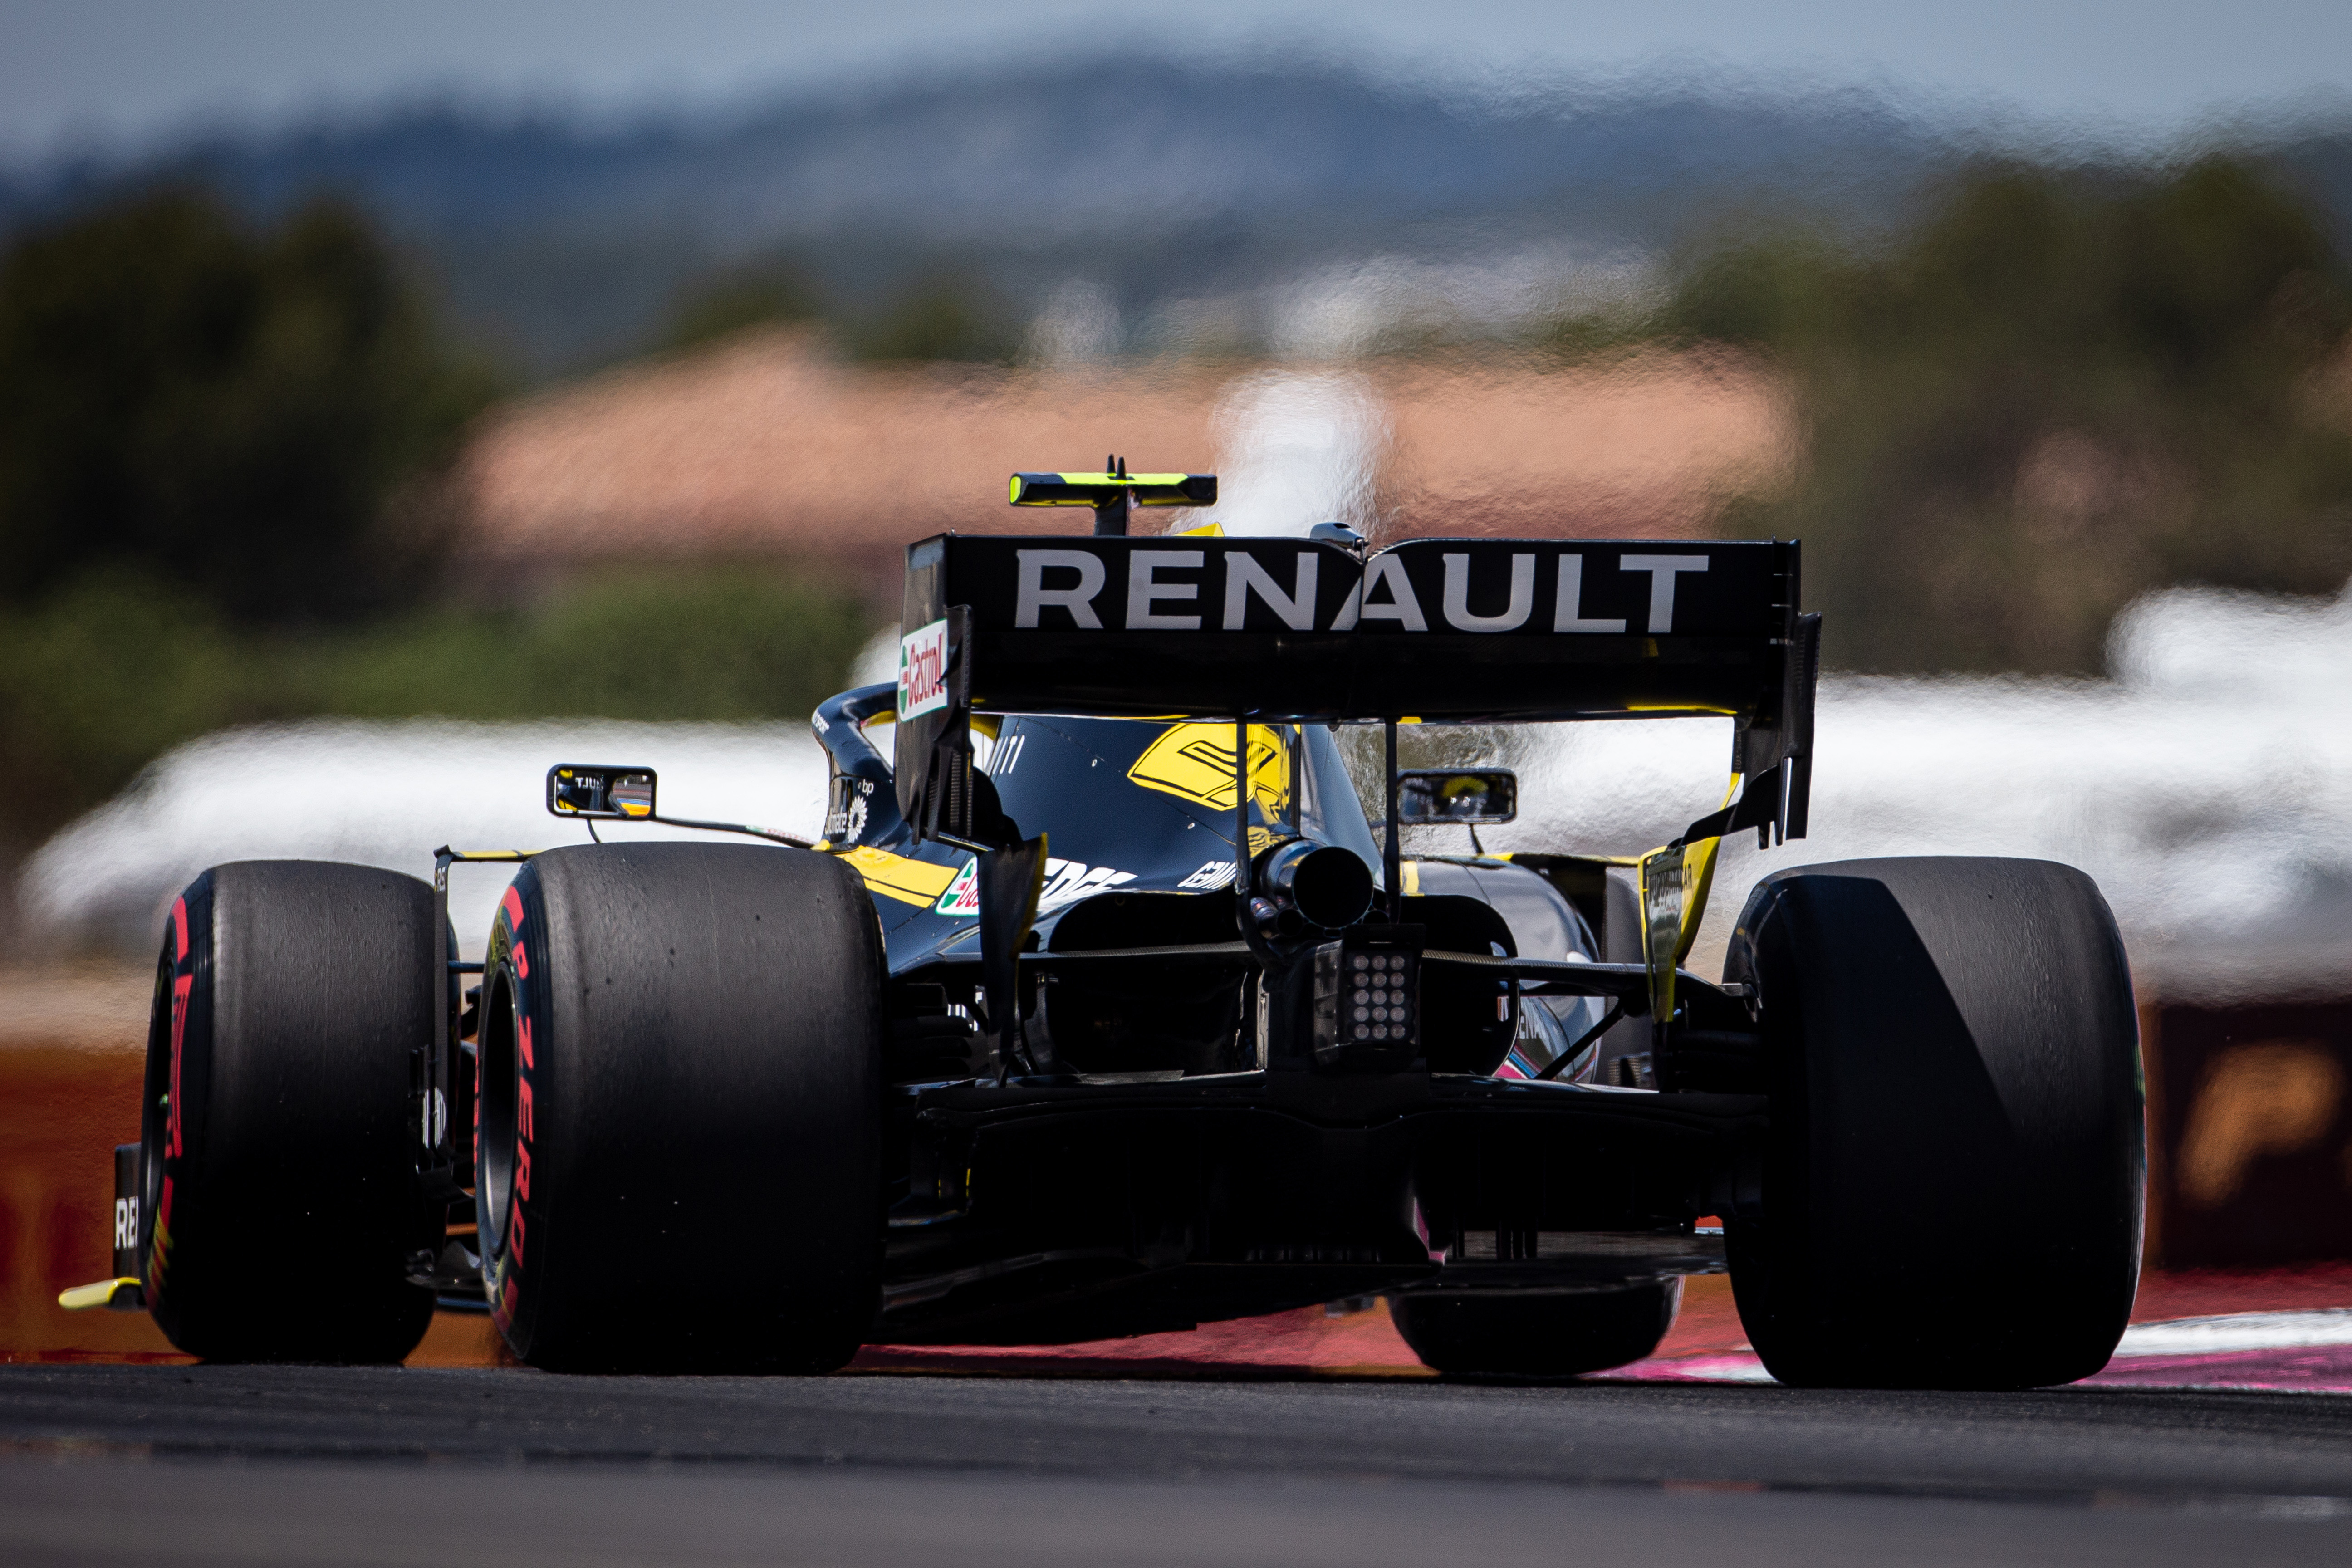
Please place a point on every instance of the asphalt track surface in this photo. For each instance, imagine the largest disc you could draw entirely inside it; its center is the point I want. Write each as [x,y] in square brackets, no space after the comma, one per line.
[172,1465]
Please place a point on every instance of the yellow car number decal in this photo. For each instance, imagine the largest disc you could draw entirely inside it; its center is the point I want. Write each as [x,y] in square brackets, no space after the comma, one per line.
[1194,761]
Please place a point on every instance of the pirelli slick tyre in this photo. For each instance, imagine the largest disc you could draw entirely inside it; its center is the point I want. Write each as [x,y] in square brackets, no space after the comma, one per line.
[1952,1185]
[280,1199]
[1536,1333]
[680,1108]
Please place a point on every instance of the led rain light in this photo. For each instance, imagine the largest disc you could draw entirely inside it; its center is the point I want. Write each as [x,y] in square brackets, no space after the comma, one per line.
[1367,1002]
[1379,997]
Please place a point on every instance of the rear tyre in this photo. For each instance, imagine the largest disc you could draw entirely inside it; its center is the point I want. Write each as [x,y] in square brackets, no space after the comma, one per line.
[1537,1333]
[680,1108]
[281,1201]
[1953,1179]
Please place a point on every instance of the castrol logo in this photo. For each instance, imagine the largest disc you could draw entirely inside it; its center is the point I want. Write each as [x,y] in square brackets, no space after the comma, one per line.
[923,670]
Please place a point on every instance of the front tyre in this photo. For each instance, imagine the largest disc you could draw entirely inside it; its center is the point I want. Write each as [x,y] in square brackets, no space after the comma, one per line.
[1953,1177]
[680,1111]
[281,1200]
[1537,1333]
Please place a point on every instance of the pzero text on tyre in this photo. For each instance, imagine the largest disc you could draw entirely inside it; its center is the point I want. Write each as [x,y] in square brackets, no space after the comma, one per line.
[281,1201]
[1952,1188]
[680,1103]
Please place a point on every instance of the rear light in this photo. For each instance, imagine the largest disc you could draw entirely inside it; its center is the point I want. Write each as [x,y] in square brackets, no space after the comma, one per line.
[1368,1000]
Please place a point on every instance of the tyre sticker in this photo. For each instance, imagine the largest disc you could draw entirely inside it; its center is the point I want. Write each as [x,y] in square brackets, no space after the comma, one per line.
[512,907]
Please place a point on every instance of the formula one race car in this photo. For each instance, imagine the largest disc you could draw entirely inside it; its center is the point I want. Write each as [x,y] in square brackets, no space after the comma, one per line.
[1102,1009]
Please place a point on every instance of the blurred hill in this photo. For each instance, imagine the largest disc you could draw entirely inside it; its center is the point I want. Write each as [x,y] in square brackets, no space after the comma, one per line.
[1162,179]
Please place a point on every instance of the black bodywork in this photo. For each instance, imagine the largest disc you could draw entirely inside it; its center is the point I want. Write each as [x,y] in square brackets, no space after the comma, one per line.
[1121,1100]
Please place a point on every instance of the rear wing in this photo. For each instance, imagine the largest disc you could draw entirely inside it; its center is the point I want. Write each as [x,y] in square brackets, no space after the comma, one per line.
[1435,630]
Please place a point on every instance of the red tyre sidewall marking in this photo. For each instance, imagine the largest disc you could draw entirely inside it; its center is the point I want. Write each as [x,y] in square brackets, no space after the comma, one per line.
[508,1265]
[174,1138]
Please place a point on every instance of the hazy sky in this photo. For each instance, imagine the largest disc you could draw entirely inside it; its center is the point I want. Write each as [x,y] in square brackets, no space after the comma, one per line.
[116,71]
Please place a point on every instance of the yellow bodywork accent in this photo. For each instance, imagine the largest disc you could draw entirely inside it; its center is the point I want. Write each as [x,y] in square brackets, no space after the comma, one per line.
[1409,873]
[1689,709]
[1194,761]
[1675,881]
[83,1297]
[897,876]
[1092,489]
[1206,531]
[1698,880]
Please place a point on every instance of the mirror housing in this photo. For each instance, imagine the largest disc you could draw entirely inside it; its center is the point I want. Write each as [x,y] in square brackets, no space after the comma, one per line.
[595,790]
[1431,796]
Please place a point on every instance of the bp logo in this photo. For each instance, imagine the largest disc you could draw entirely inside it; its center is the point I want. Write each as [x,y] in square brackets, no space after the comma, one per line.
[962,900]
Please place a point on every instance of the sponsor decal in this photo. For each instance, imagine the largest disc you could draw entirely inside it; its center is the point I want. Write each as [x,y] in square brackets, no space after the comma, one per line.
[1430,585]
[1067,882]
[846,810]
[923,670]
[1215,874]
[962,900]
[1662,570]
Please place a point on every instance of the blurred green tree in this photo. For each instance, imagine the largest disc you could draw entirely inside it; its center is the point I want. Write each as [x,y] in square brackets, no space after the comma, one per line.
[721,643]
[96,681]
[106,674]
[762,294]
[941,314]
[251,415]
[2056,390]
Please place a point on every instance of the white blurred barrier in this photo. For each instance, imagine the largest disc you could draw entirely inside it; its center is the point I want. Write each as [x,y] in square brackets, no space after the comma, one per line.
[389,794]
[2208,788]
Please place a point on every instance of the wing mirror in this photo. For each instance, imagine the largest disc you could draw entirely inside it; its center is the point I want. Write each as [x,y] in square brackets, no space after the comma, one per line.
[1430,796]
[577,789]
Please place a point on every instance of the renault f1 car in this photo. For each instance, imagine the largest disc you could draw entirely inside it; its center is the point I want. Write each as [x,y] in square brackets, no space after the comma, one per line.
[1104,1006]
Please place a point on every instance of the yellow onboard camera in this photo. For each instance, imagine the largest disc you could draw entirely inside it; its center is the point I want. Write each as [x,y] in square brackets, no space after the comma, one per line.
[1113,490]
